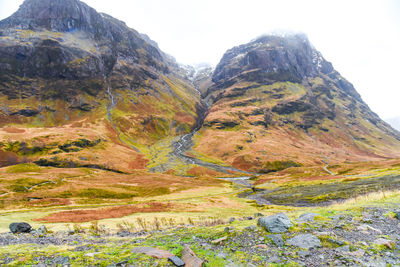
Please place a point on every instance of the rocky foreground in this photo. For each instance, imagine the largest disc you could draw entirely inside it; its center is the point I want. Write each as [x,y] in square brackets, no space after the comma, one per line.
[362,237]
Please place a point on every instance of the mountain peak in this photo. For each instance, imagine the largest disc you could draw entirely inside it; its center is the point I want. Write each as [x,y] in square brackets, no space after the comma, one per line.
[275,55]
[54,15]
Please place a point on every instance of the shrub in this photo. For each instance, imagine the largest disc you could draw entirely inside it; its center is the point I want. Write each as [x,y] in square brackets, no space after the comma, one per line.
[274,166]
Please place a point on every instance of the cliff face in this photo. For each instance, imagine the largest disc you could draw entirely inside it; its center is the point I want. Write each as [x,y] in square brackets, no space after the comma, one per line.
[68,41]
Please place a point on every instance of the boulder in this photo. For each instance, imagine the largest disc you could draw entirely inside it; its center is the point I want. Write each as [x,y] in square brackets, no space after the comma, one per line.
[176,261]
[21,227]
[278,223]
[306,217]
[305,241]
[189,258]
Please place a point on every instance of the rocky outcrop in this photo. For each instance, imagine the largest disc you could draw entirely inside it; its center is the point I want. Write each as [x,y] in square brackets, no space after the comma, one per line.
[278,223]
[305,241]
[68,48]
[20,227]
[274,58]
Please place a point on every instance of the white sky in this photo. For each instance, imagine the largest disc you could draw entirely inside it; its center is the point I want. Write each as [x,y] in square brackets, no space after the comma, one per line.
[360,37]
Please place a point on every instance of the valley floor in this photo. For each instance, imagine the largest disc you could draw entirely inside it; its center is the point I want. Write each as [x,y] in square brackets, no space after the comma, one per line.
[349,234]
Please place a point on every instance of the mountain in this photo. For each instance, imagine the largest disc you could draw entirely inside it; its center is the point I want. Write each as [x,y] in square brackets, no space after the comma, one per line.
[394,122]
[86,75]
[80,88]
[277,99]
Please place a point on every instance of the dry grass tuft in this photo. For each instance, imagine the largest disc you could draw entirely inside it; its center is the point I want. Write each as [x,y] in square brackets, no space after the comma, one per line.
[368,198]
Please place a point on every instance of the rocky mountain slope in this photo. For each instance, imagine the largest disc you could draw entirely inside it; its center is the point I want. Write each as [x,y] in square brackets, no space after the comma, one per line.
[77,86]
[277,99]
[87,75]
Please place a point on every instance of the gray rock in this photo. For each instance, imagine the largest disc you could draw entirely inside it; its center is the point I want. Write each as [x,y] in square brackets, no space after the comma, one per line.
[277,240]
[61,260]
[274,259]
[343,249]
[335,241]
[305,241]
[303,253]
[176,261]
[231,220]
[21,227]
[83,248]
[229,229]
[42,230]
[306,217]
[278,223]
[222,255]
[251,228]
[397,214]
[258,214]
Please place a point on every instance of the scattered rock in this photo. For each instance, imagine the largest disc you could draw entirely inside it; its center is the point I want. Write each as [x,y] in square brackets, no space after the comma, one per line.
[305,241]
[278,223]
[62,260]
[365,228]
[21,227]
[92,254]
[386,242]
[222,255]
[277,240]
[176,261]
[231,220]
[274,259]
[42,230]
[303,253]
[261,246]
[358,253]
[219,240]
[258,214]
[397,214]
[251,228]
[306,217]
[229,229]
[83,248]
[189,258]
[345,248]
[335,241]
[153,252]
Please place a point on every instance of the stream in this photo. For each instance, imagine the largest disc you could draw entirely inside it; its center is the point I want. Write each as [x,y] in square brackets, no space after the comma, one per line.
[110,107]
[178,148]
